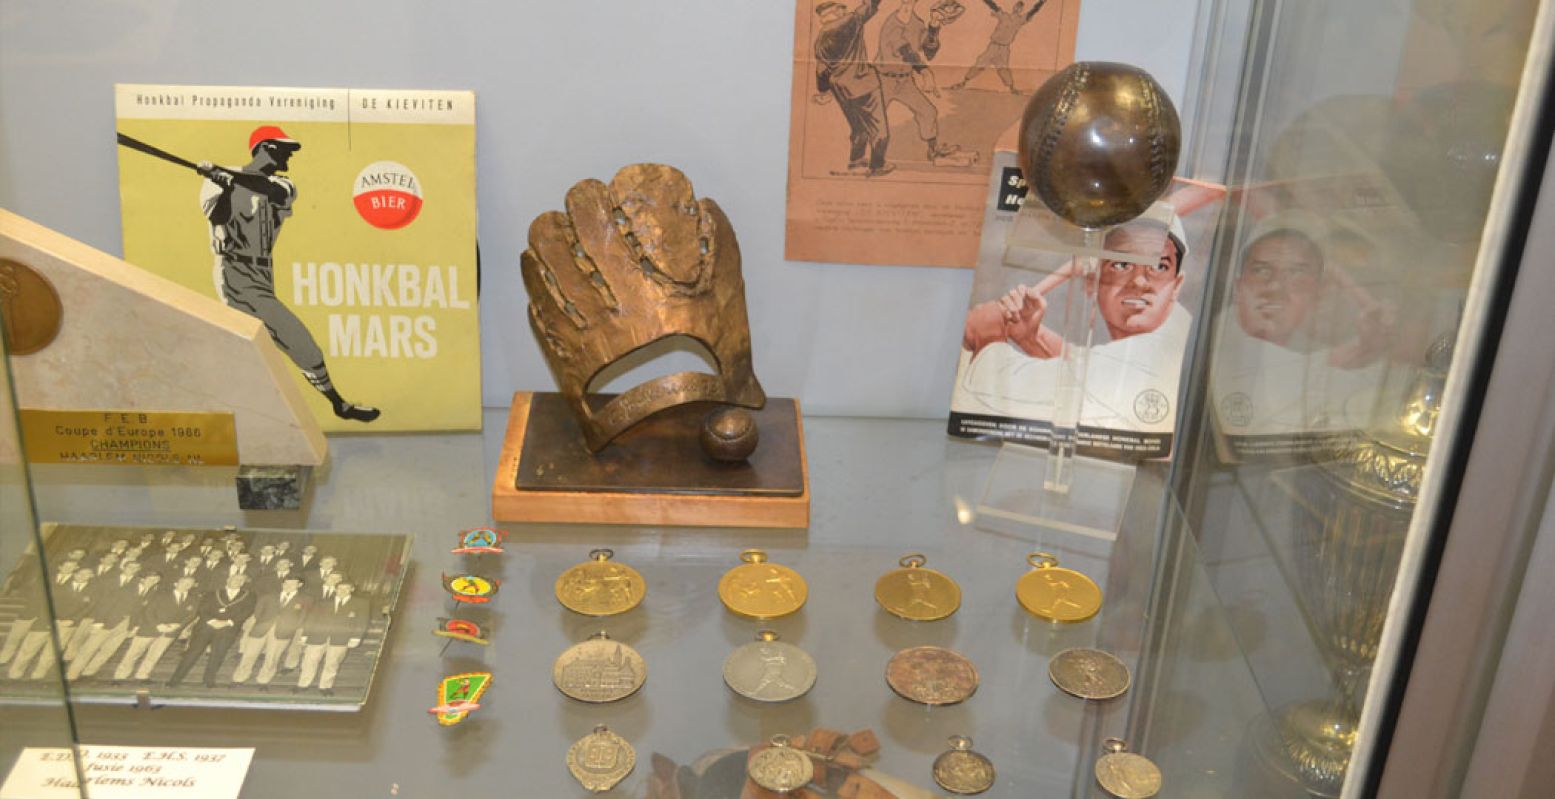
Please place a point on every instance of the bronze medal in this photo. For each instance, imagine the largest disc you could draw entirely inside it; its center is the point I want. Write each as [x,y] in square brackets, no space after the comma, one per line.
[599,670]
[769,670]
[601,759]
[961,770]
[931,675]
[1052,592]
[916,593]
[600,586]
[760,590]
[780,767]
[1125,774]
[1089,673]
[29,307]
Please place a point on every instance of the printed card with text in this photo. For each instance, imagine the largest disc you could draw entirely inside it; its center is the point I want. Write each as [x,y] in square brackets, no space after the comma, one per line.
[343,219]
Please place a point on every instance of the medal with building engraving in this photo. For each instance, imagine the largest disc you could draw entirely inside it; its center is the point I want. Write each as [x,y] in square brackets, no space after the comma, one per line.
[601,759]
[29,308]
[1088,673]
[599,670]
[931,675]
[780,767]
[917,593]
[961,770]
[1125,774]
[760,590]
[1052,592]
[769,670]
[600,586]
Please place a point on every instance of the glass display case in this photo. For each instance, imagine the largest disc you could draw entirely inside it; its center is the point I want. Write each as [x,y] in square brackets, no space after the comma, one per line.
[1265,586]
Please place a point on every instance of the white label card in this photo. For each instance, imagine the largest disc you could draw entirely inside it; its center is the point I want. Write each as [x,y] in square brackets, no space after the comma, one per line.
[129,772]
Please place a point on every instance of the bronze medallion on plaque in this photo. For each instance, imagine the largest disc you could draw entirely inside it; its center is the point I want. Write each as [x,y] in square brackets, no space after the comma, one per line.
[600,586]
[961,770]
[917,593]
[1052,592]
[760,590]
[931,675]
[769,670]
[29,308]
[780,767]
[1089,673]
[1125,774]
[599,670]
[601,759]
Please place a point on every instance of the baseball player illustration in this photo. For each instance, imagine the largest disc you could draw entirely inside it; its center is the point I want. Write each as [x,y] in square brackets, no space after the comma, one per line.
[997,54]
[843,72]
[906,46]
[245,207]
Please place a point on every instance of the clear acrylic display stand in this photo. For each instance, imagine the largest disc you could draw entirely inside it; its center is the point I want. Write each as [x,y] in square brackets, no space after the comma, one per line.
[1057,488]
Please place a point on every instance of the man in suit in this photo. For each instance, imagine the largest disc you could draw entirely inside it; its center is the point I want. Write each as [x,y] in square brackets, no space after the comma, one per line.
[331,629]
[217,628]
[116,599]
[276,621]
[308,561]
[25,586]
[160,621]
[266,559]
[213,571]
[168,561]
[269,580]
[240,565]
[327,565]
[72,605]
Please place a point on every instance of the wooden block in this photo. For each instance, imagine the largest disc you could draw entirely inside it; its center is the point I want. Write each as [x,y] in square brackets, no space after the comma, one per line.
[864,742]
[851,760]
[130,340]
[825,741]
[512,504]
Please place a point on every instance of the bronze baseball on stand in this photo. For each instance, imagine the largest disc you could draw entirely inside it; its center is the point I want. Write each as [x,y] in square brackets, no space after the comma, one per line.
[1099,143]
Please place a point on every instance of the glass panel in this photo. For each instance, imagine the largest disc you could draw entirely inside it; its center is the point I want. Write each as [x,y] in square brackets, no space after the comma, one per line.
[1366,147]
[34,709]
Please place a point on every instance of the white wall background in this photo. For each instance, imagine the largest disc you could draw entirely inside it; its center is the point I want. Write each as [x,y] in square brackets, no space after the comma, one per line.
[565,90]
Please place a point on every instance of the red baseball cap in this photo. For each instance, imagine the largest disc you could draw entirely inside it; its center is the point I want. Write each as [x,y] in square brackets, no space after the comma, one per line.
[265,133]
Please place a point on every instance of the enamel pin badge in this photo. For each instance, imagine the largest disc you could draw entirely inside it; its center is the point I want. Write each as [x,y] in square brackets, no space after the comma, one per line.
[457,696]
[461,630]
[471,589]
[480,541]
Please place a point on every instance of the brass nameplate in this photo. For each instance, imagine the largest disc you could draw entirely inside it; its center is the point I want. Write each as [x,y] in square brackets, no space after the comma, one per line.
[130,438]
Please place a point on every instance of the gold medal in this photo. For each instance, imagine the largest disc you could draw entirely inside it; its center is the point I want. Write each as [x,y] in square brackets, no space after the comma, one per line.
[1125,774]
[1054,593]
[931,675]
[916,593]
[961,770]
[601,759]
[780,767]
[599,670]
[600,586]
[1088,673]
[29,307]
[760,590]
[769,670]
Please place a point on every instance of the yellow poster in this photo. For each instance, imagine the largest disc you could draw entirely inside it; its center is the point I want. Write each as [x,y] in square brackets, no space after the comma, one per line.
[343,219]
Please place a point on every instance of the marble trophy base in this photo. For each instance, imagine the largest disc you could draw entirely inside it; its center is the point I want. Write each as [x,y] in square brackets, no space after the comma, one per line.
[653,474]
[272,487]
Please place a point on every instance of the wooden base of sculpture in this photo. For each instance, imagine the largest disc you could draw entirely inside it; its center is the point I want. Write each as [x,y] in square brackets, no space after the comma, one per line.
[654,474]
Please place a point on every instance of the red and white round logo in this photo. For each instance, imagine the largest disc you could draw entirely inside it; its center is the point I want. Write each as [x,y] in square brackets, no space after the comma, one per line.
[387,195]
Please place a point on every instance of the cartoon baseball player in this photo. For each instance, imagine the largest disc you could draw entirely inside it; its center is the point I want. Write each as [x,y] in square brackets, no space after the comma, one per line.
[245,208]
[997,53]
[843,72]
[907,45]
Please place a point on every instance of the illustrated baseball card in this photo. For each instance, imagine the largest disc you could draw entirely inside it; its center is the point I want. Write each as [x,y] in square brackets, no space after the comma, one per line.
[1144,296]
[343,219]
[896,109]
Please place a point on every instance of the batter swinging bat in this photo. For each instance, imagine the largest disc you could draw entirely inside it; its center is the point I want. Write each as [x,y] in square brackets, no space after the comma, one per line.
[137,144]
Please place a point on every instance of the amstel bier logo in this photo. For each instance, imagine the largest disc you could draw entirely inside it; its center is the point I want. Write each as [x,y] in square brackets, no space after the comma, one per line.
[387,195]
